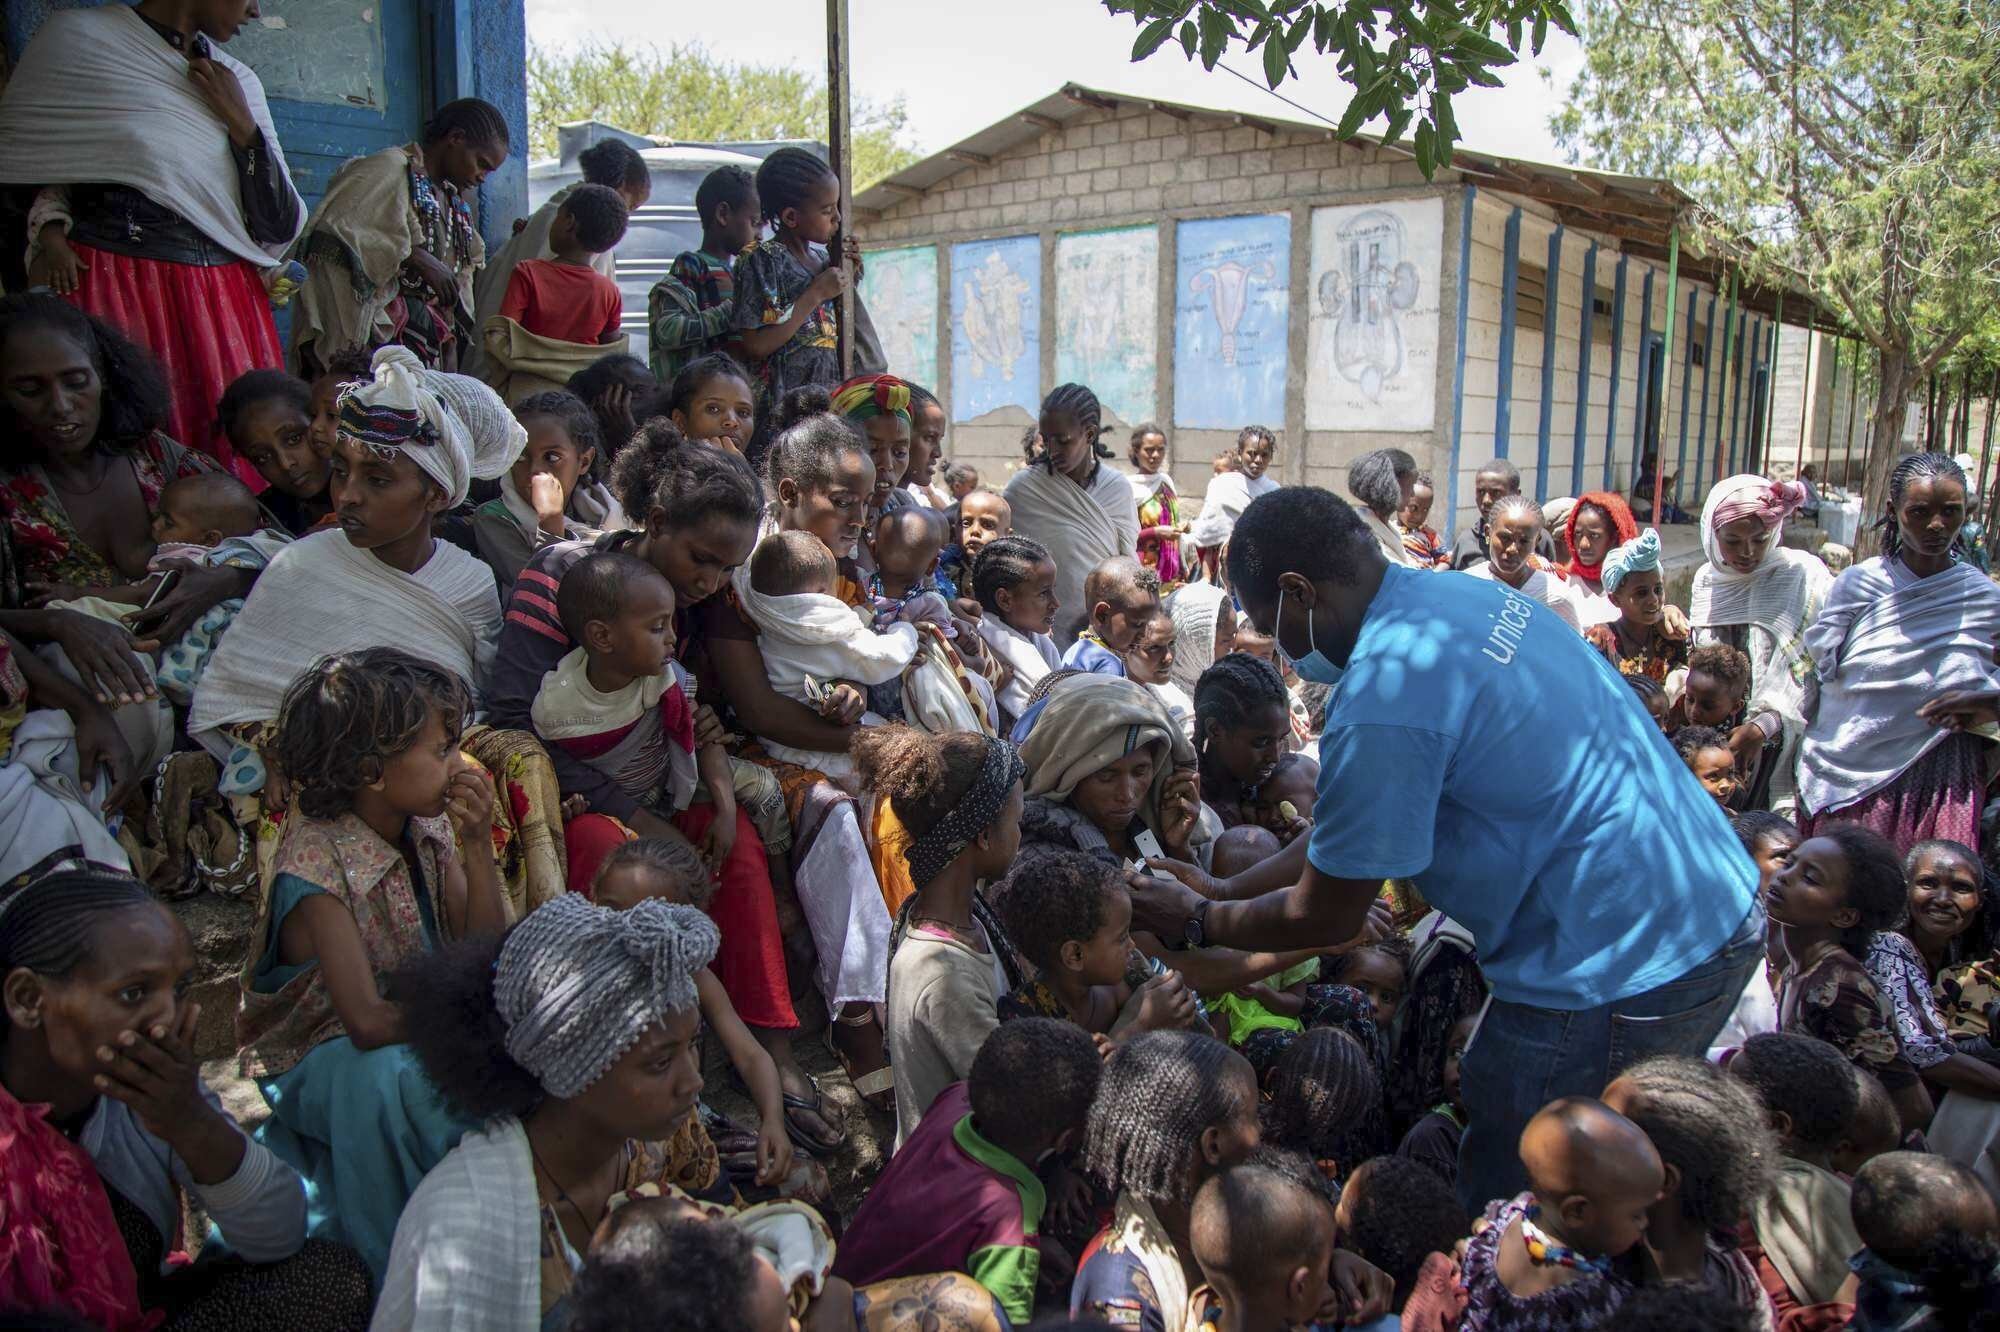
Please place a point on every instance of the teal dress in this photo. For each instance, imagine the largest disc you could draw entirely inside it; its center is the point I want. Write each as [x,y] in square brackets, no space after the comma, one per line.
[362,1127]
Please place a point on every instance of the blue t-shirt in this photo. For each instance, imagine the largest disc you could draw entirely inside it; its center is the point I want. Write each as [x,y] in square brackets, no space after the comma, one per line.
[1087,654]
[1479,746]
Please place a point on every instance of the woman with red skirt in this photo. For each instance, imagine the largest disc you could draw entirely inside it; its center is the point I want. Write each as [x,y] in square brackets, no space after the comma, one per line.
[157,194]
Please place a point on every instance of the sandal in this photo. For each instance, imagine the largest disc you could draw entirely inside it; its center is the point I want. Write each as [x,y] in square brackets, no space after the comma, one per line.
[803,1138]
[877,1086]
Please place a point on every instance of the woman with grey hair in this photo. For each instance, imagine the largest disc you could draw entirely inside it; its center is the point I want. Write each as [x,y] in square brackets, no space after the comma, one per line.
[1381,481]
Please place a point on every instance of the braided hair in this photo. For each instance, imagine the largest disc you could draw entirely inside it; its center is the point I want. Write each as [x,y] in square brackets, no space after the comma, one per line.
[47,926]
[1160,1092]
[573,414]
[1254,434]
[1376,479]
[1515,504]
[1077,401]
[658,472]
[1228,694]
[785,178]
[481,123]
[1326,1099]
[1875,886]
[1912,467]
[1708,1126]
[810,442]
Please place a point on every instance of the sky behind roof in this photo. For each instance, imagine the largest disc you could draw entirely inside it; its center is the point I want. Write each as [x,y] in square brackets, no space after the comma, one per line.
[961,65]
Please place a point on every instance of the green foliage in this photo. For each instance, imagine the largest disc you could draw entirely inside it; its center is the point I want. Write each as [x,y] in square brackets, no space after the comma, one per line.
[685,93]
[1847,145]
[1404,58]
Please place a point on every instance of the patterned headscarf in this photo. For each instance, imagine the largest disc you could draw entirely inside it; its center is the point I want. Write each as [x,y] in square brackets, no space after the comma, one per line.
[1770,503]
[451,426]
[972,815]
[872,395]
[1639,555]
[1623,528]
[577,984]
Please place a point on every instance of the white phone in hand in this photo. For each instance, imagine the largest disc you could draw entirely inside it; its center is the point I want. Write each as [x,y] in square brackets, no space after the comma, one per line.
[1148,847]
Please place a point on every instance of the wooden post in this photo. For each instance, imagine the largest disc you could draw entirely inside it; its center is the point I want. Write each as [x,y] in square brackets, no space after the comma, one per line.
[1722,449]
[1853,387]
[1771,386]
[1666,373]
[839,144]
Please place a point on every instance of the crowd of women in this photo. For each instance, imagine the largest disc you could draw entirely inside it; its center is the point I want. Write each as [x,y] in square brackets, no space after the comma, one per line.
[1247,915]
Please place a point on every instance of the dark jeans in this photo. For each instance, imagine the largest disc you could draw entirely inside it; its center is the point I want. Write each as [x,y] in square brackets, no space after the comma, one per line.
[1525,1057]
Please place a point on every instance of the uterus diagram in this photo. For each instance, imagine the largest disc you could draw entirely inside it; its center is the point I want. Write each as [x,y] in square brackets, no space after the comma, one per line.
[1365,296]
[1227,285]
[994,297]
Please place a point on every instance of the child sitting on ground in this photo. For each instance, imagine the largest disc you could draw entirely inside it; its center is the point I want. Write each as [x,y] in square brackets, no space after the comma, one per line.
[1070,916]
[366,877]
[267,416]
[1800,1235]
[564,299]
[1150,662]
[1832,893]
[671,871]
[1637,642]
[816,649]
[1401,1217]
[1719,1158]
[1933,1236]
[1324,1101]
[1265,1247]
[1014,581]
[1433,1140]
[1119,596]
[619,702]
[549,495]
[1545,1258]
[962,1193]
[1708,756]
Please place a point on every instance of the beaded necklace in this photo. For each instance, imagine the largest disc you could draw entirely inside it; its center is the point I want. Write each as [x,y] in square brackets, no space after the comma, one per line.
[1546,1252]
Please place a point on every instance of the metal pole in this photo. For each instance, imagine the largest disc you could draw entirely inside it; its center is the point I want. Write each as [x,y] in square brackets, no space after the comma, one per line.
[1805,401]
[1771,386]
[1853,387]
[840,149]
[1666,372]
[1728,341]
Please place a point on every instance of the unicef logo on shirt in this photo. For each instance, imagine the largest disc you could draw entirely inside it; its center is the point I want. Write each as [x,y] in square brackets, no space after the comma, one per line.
[1509,623]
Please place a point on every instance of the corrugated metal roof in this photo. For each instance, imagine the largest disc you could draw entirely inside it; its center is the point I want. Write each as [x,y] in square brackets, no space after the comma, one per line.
[1637,211]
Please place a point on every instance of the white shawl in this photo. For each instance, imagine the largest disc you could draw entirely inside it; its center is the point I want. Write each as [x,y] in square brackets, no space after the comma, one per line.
[1195,608]
[1552,590]
[99,97]
[320,596]
[1387,537]
[45,806]
[1777,603]
[1886,642]
[1136,1230]
[467,1252]
[1082,527]
[1031,658]
[1229,494]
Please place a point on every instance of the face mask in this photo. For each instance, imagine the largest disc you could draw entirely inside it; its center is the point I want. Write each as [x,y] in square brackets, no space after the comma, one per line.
[1315,665]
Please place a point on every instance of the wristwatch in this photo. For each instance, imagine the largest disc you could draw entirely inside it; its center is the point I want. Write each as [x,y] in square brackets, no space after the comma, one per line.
[1195,931]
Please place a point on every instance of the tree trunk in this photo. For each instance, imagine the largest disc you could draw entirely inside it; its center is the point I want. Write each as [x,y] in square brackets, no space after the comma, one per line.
[1892,404]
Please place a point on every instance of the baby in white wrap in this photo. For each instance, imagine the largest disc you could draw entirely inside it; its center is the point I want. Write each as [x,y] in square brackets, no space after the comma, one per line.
[818,650]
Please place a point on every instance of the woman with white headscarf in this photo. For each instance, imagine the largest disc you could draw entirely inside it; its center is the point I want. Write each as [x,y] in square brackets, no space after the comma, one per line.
[411,441]
[1760,597]
[1204,631]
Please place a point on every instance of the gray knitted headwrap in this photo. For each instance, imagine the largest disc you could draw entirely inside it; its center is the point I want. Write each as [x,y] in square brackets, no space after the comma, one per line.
[578,984]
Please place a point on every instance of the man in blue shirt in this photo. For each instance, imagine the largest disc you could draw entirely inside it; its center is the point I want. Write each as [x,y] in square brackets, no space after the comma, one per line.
[1476,744]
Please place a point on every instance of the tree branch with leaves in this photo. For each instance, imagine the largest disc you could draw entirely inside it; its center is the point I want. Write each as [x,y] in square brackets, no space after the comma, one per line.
[1405,61]
[1846,146]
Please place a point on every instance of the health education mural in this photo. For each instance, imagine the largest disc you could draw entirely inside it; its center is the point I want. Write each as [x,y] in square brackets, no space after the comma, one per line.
[1231,316]
[996,326]
[1373,339]
[900,288]
[1107,316]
